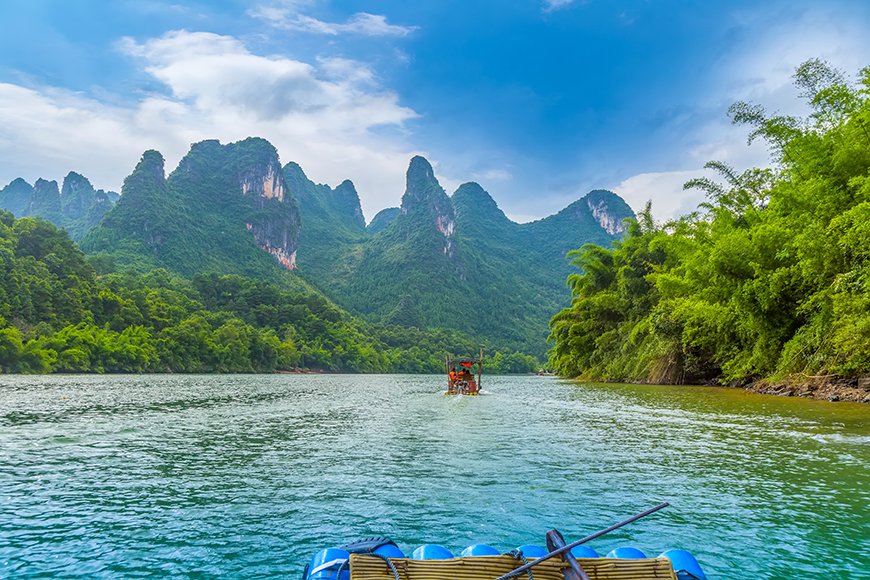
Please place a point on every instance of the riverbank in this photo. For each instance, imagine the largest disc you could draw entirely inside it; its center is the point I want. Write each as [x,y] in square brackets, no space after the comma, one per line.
[827,388]
[822,387]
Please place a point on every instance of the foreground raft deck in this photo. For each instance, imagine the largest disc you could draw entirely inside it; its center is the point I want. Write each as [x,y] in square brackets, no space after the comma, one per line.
[368,567]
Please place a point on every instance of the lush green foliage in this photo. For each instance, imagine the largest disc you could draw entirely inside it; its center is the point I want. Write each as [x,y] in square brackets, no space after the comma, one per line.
[773,280]
[56,314]
[332,222]
[382,219]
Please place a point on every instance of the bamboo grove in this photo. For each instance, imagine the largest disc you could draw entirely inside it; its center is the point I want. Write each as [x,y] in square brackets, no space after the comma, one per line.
[769,280]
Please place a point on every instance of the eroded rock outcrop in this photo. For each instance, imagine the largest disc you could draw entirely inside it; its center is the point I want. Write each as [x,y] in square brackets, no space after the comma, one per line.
[426,202]
[608,209]
[275,222]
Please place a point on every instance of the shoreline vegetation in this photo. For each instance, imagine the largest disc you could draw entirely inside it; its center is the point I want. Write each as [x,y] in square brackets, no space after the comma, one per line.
[58,315]
[766,287]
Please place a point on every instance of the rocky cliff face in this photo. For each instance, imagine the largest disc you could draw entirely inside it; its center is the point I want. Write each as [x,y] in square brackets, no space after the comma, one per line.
[263,178]
[275,222]
[425,203]
[609,210]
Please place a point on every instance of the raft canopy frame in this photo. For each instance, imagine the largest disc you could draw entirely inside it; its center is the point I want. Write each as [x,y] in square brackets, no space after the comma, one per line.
[463,387]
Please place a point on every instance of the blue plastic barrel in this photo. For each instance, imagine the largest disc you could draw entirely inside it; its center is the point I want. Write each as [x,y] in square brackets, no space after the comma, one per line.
[582,551]
[325,564]
[389,551]
[532,551]
[431,552]
[685,563]
[626,553]
[480,550]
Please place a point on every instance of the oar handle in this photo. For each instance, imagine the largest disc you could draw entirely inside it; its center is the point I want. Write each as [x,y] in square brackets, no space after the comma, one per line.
[564,549]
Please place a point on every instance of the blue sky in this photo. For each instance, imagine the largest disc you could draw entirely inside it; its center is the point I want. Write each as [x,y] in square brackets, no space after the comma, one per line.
[539,101]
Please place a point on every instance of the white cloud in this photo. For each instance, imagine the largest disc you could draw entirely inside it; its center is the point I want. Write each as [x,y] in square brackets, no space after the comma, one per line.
[327,116]
[762,69]
[49,133]
[494,175]
[551,5]
[758,70]
[288,16]
[665,189]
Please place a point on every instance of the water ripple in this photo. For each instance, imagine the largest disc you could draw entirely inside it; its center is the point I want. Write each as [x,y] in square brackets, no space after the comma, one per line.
[244,476]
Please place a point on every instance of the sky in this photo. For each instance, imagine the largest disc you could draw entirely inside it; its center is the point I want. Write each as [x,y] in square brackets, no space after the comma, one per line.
[539,101]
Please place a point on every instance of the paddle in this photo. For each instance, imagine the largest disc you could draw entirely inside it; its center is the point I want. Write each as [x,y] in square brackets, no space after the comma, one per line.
[556,541]
[563,549]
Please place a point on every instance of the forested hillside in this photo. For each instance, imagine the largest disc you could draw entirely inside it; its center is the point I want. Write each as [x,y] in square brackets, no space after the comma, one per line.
[436,262]
[223,209]
[770,281]
[332,222]
[56,314]
[450,261]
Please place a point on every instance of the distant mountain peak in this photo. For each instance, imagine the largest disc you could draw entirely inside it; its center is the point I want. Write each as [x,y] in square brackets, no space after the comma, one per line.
[45,200]
[293,166]
[19,182]
[421,186]
[420,170]
[73,176]
[424,196]
[15,197]
[151,165]
[472,199]
[76,207]
[77,195]
[382,219]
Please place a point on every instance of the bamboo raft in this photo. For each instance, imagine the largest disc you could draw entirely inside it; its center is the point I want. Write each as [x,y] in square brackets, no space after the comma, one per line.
[462,382]
[381,559]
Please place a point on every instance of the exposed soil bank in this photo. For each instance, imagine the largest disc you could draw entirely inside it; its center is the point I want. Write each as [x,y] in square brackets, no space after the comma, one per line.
[827,388]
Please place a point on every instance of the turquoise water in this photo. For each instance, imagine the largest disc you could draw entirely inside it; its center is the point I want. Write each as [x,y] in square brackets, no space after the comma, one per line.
[244,476]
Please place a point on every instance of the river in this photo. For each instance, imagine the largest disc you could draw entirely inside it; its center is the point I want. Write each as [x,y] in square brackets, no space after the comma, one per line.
[240,476]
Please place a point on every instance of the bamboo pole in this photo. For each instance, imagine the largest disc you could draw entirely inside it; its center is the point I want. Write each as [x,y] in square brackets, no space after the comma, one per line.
[479,370]
[563,549]
[447,366]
